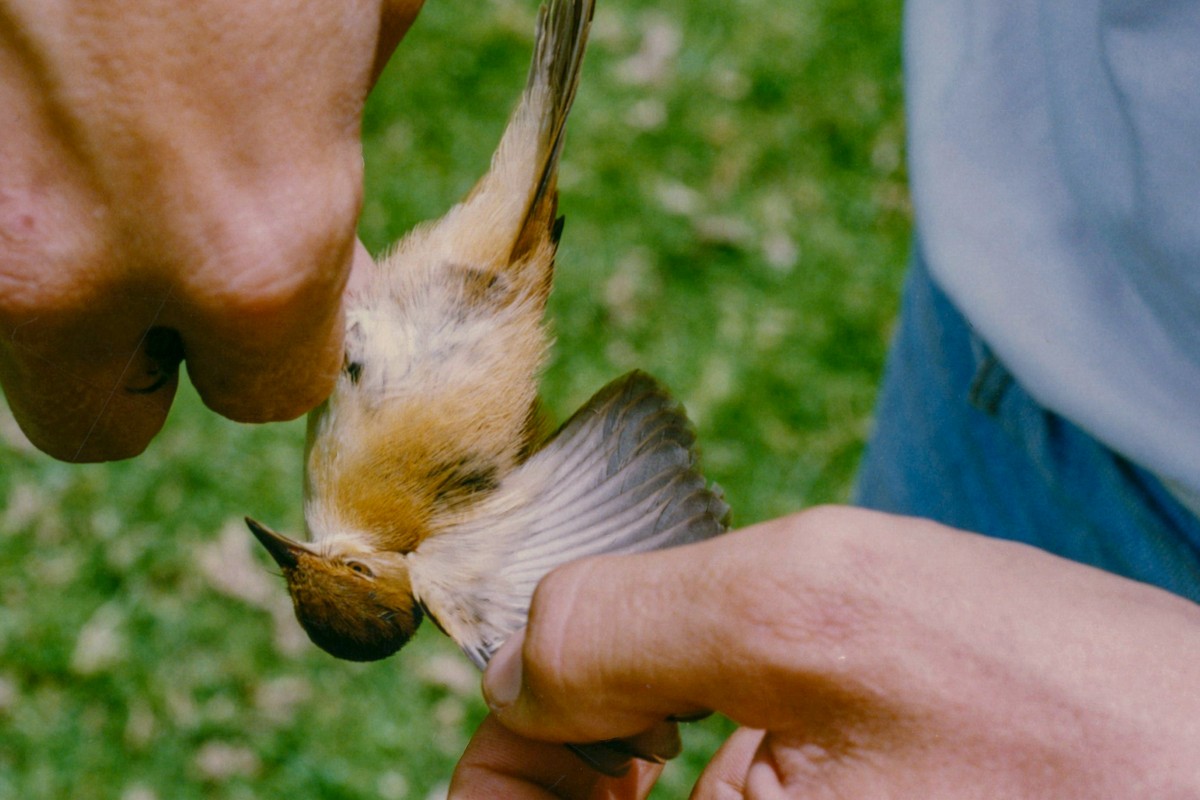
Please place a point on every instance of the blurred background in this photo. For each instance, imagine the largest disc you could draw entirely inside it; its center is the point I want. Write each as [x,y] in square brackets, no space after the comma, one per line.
[737,225]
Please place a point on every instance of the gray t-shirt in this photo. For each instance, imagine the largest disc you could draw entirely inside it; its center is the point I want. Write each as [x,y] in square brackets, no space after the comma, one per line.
[1055,159]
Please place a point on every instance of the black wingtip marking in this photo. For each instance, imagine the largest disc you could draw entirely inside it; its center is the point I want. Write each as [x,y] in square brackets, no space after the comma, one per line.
[557,229]
[463,478]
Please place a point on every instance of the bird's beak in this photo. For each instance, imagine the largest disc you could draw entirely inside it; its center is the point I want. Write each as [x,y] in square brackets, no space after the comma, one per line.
[285,551]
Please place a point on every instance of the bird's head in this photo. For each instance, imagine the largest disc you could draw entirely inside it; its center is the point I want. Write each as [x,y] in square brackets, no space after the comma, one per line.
[354,604]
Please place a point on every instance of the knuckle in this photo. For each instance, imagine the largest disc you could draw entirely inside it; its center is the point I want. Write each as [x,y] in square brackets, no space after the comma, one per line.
[267,279]
[26,293]
[255,408]
[269,289]
[554,614]
[290,385]
[50,286]
[72,422]
[287,258]
[57,247]
[543,639]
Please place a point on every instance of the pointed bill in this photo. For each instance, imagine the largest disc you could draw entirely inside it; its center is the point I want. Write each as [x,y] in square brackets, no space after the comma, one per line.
[285,551]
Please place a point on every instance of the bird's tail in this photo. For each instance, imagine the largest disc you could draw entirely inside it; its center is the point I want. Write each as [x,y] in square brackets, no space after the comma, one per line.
[522,183]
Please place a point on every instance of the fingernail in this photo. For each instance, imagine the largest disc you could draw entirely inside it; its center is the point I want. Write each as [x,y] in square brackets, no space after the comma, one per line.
[361,269]
[502,681]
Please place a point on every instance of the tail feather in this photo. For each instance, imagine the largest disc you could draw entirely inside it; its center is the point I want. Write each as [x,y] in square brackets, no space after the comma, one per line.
[529,150]
[555,70]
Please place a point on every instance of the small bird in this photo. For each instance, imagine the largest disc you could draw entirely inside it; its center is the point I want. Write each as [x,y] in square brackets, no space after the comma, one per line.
[428,491]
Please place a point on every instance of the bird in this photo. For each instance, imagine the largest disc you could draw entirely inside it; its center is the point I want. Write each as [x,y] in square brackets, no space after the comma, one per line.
[429,489]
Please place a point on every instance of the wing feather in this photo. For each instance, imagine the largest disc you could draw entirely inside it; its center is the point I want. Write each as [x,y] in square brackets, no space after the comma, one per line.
[620,476]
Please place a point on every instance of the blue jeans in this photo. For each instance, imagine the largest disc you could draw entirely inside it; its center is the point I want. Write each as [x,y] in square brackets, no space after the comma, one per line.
[958,440]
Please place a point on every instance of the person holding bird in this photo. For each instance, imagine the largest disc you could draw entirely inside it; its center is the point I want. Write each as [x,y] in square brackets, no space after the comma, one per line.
[1044,369]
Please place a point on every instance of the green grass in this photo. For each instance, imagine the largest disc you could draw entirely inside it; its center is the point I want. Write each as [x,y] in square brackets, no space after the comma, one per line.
[737,224]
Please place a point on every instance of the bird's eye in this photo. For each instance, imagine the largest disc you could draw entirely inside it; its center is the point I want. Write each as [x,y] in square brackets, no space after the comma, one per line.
[360,568]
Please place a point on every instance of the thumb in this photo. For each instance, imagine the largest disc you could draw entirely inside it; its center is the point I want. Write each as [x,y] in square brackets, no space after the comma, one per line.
[616,644]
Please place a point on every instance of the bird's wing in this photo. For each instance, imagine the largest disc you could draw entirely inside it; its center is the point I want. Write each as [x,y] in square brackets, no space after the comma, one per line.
[619,477]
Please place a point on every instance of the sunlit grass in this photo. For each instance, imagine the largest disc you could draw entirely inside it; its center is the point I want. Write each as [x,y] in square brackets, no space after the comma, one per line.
[736,225]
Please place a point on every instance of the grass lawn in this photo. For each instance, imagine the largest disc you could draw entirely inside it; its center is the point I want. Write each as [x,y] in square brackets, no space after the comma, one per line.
[737,225]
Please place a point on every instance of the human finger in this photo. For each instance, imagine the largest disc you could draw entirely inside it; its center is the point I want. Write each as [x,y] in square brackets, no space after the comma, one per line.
[84,381]
[262,322]
[725,775]
[500,763]
[657,744]
[616,644]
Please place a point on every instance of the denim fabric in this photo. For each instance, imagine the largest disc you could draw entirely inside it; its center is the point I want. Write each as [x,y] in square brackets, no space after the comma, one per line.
[959,441]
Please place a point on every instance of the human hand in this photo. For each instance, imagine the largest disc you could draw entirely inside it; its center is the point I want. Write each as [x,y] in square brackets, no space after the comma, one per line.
[178,180]
[865,655]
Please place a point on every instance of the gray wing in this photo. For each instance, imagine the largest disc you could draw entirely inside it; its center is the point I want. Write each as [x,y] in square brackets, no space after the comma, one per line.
[619,477]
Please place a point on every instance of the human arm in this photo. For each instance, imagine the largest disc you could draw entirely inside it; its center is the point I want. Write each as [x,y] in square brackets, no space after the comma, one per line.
[193,168]
[865,655]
